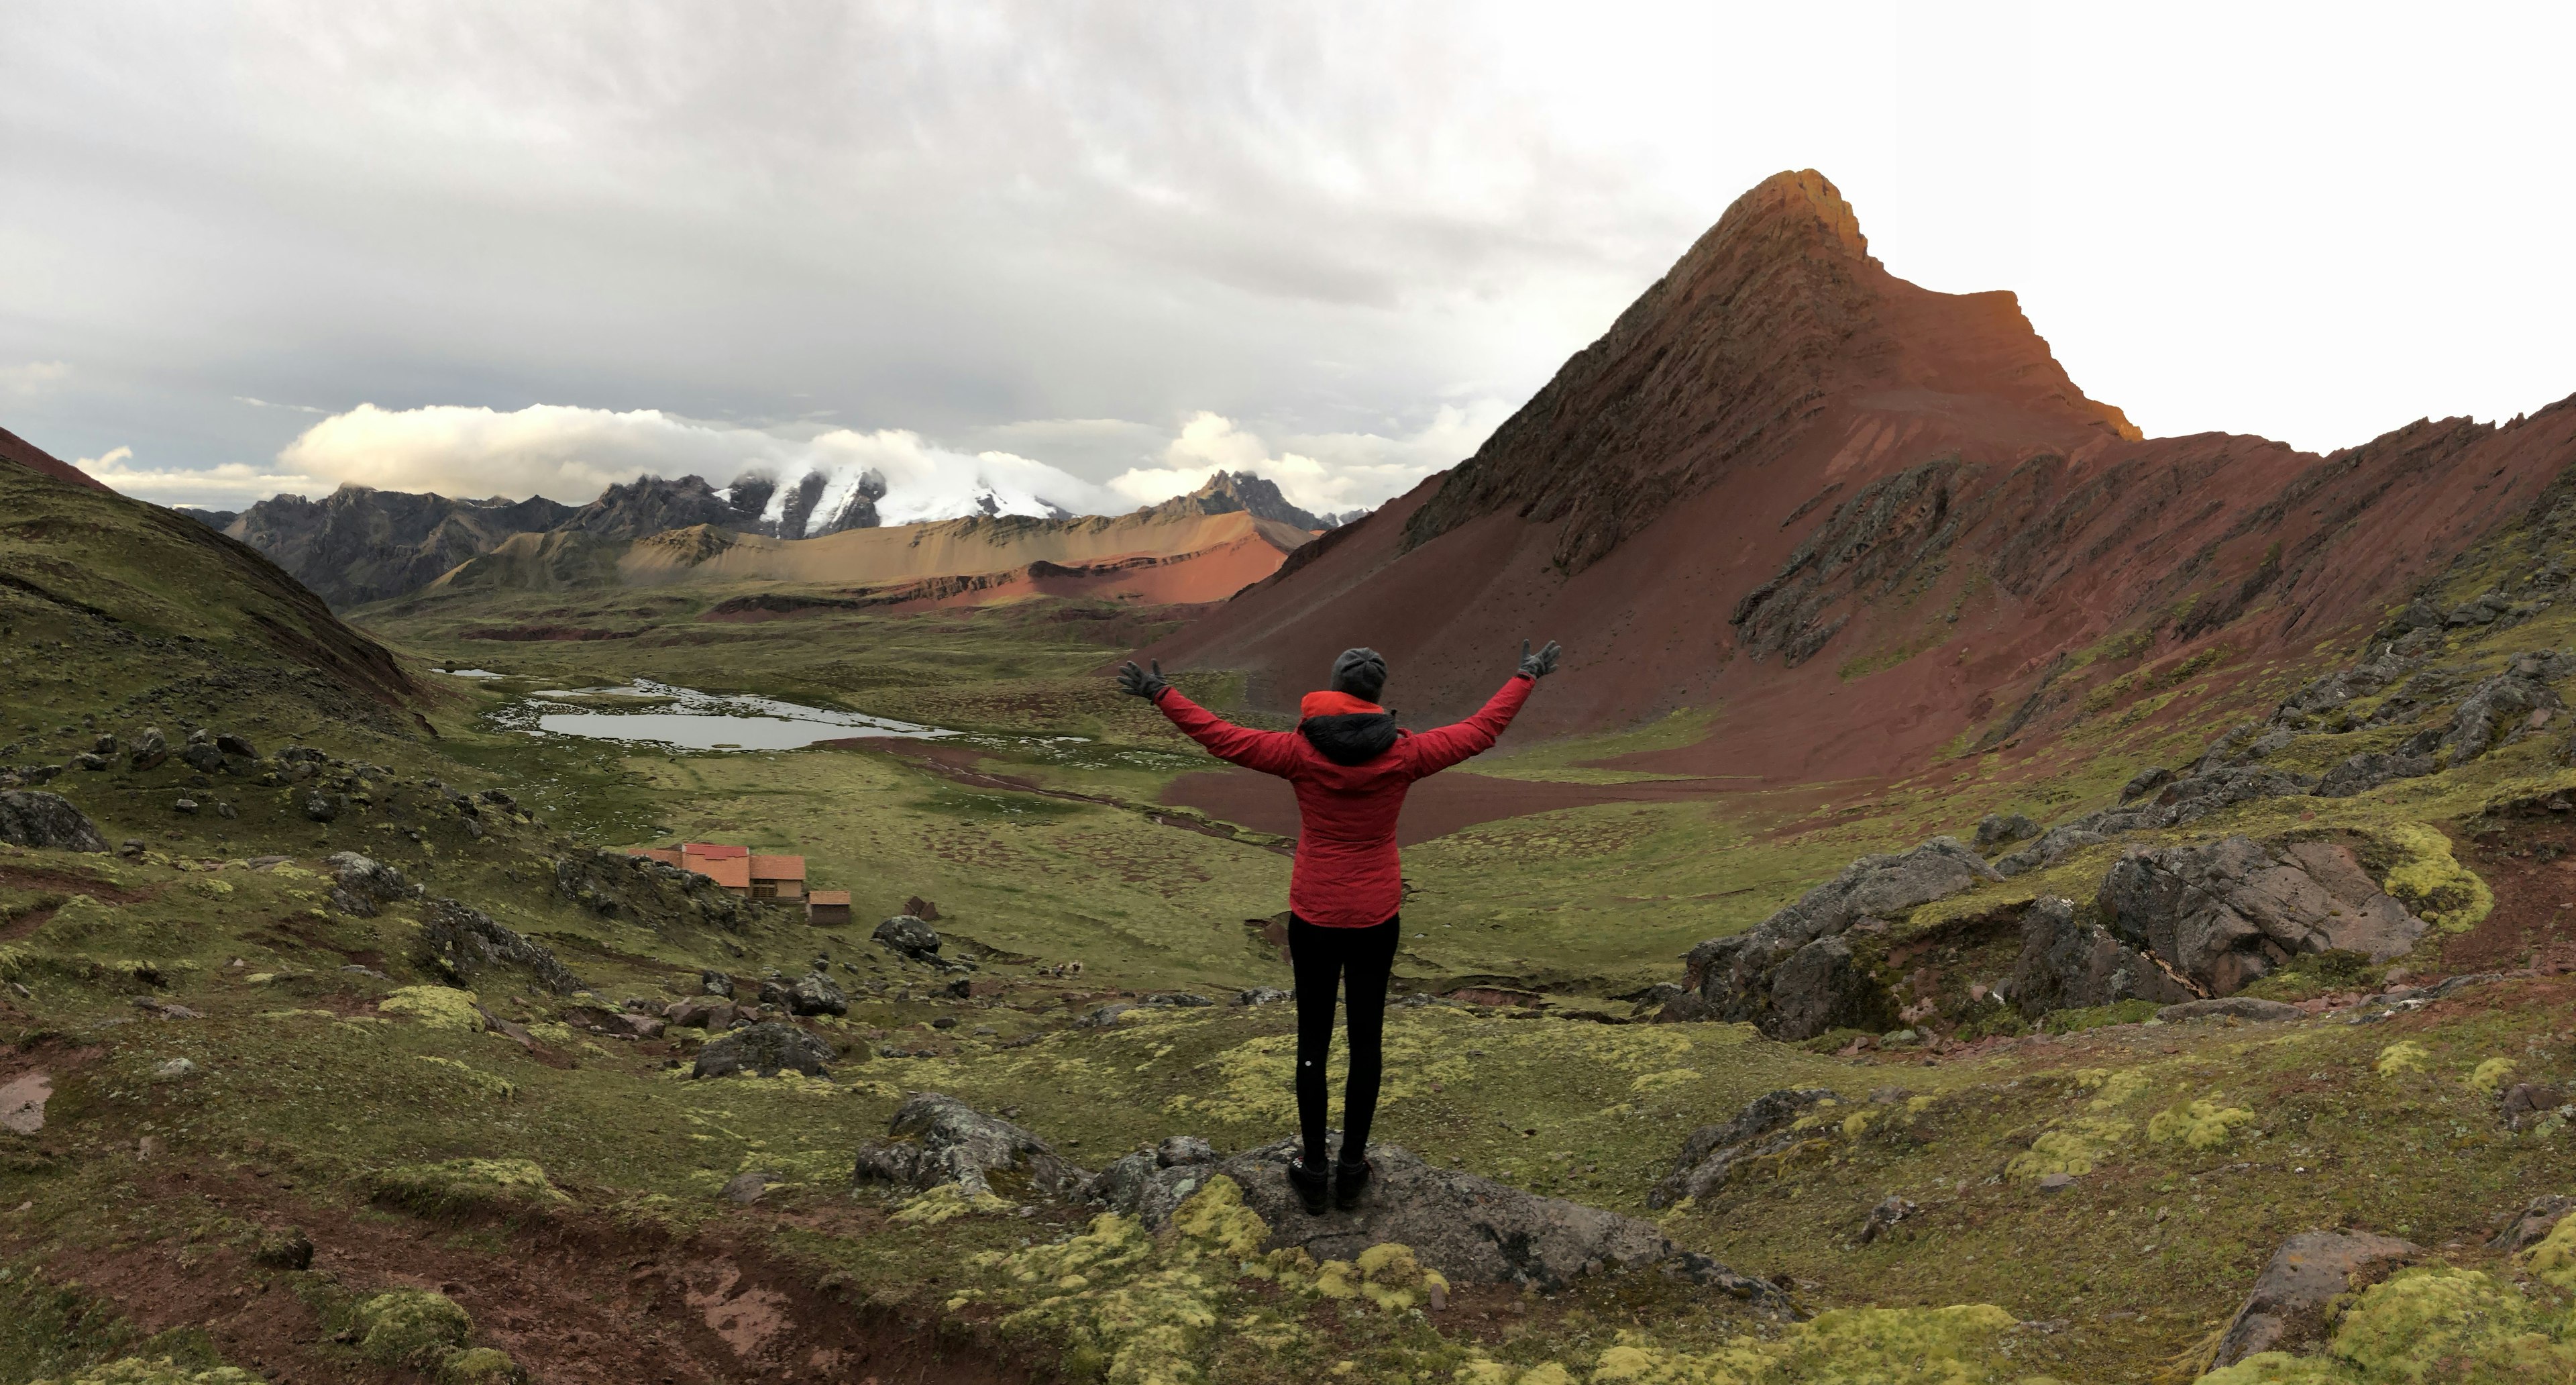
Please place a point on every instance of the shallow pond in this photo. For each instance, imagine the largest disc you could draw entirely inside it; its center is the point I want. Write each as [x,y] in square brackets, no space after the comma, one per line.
[693,720]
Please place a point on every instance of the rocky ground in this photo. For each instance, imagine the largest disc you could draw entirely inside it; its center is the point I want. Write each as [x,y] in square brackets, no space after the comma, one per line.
[333,1051]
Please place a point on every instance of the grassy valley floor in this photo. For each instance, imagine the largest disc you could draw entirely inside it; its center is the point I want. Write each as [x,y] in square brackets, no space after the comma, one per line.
[275,1139]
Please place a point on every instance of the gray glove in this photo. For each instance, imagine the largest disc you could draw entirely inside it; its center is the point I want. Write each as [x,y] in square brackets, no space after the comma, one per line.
[1542,663]
[1136,682]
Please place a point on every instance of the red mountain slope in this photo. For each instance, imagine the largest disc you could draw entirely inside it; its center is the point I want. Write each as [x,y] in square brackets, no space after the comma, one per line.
[26,454]
[1860,514]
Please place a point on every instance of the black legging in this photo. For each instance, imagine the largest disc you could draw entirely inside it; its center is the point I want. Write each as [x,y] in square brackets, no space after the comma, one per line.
[1360,958]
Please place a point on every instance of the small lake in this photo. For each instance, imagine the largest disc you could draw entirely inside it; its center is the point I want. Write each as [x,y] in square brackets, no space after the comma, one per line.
[691,720]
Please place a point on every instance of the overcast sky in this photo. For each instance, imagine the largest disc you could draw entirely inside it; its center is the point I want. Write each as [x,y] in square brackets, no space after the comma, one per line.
[1334,243]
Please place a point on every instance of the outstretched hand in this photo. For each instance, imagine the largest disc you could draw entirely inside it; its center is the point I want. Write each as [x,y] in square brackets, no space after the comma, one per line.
[1136,682]
[1542,663]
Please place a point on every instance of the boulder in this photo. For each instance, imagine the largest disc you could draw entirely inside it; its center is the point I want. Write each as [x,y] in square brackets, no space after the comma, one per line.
[1104,1017]
[1734,976]
[765,1048]
[2237,1007]
[233,745]
[939,1139]
[816,995]
[321,807]
[1184,1000]
[1712,1152]
[1178,1151]
[360,884]
[908,936]
[701,1012]
[2002,829]
[202,757]
[1885,1217]
[715,983]
[149,750]
[1142,1186]
[1823,986]
[2227,913]
[47,821]
[2068,963]
[2525,1229]
[461,942]
[2526,1104]
[2288,1306]
[1261,995]
[1472,1230]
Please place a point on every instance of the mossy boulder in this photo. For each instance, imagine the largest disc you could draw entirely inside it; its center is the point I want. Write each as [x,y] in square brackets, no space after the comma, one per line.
[439,1007]
[410,1327]
[480,1366]
[469,1185]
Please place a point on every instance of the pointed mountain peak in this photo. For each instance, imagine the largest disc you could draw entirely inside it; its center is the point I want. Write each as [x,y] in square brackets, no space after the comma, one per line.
[1802,194]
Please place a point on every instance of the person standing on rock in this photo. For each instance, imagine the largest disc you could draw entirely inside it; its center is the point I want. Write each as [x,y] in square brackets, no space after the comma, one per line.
[1350,765]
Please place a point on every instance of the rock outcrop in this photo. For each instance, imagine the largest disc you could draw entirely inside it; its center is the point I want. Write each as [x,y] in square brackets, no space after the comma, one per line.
[47,821]
[1472,1230]
[2288,1305]
[2228,913]
[1151,1184]
[1712,1153]
[939,1139]
[1794,975]
[462,942]
[2072,963]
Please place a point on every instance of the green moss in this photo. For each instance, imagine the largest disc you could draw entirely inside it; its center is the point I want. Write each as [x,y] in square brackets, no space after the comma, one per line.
[410,1327]
[2098,1016]
[464,1185]
[2432,882]
[480,1366]
[2198,1124]
[480,1082]
[2403,1056]
[135,1370]
[2426,1324]
[439,1007]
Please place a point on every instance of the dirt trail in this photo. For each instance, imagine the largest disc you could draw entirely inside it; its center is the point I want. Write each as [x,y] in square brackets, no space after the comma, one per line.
[572,1299]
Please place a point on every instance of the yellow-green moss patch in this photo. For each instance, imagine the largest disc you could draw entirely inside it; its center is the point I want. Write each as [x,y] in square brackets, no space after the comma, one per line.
[439,1007]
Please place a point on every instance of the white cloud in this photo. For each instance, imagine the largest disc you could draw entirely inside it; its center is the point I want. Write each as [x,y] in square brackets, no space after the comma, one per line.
[230,486]
[572,453]
[1323,472]
[34,378]
[272,404]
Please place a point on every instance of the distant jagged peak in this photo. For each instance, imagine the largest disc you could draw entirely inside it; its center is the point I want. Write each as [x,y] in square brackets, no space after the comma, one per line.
[1230,491]
[1799,192]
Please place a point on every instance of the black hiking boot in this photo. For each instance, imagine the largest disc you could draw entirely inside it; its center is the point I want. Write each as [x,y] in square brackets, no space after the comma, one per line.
[1313,1185]
[1350,1181]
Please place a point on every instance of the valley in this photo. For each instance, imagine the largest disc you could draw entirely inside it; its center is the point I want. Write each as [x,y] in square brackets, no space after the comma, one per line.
[1984,886]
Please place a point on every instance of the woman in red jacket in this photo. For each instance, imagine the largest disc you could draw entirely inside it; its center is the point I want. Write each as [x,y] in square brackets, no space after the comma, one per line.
[1351,766]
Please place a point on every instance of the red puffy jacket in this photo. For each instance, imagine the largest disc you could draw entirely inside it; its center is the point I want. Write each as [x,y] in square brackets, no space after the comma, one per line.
[1347,873]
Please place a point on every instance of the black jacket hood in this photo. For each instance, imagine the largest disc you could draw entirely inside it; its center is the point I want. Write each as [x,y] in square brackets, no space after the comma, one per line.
[1354,738]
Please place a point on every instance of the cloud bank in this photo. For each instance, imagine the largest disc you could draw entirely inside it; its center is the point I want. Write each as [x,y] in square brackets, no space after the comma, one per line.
[571,454]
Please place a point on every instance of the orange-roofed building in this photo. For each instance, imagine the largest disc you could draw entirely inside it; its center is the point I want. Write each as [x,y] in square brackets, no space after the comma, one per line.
[731,872]
[713,850]
[827,908]
[778,877]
